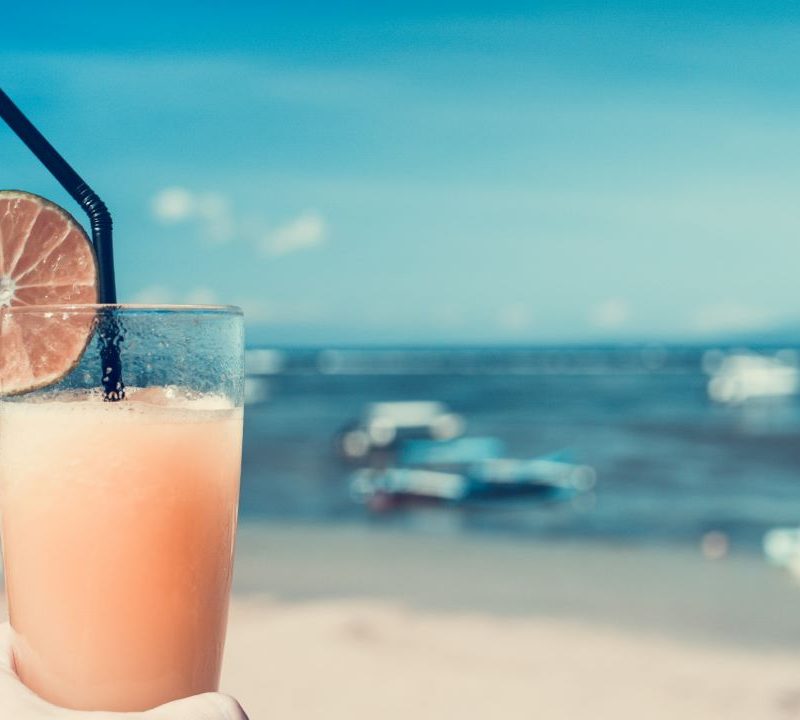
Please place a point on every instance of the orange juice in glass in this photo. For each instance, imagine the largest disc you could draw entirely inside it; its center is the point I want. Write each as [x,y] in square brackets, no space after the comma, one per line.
[118,518]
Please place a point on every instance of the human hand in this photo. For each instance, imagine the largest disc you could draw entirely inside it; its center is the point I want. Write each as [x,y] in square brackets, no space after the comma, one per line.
[20,703]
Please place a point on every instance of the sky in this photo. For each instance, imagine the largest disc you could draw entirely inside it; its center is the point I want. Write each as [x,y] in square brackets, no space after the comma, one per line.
[431,172]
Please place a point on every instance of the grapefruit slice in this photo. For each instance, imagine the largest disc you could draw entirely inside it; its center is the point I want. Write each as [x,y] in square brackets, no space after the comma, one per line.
[45,259]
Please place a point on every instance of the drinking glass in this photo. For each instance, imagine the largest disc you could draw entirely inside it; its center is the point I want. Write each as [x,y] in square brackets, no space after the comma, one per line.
[118,519]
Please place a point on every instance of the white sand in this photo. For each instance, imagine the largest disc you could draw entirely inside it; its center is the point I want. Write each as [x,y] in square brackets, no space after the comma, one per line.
[376,624]
[372,659]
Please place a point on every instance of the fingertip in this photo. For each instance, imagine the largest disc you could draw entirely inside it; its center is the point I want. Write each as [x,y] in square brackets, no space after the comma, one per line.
[213,706]
[231,706]
[6,659]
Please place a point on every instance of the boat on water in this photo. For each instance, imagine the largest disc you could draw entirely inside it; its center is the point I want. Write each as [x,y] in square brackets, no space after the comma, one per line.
[741,376]
[414,453]
[445,453]
[541,478]
[384,426]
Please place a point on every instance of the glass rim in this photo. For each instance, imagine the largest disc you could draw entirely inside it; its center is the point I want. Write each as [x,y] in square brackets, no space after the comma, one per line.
[123,307]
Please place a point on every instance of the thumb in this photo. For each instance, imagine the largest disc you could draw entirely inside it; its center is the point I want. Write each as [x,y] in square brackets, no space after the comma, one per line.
[208,706]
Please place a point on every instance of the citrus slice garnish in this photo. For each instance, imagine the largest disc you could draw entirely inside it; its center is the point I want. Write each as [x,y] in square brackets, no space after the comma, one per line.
[46,259]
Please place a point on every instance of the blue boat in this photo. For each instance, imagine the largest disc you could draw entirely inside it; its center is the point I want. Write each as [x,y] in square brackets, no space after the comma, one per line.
[541,478]
[459,451]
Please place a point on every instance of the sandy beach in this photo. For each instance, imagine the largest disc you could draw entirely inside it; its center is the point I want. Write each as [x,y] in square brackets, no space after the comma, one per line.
[360,659]
[366,623]
[356,622]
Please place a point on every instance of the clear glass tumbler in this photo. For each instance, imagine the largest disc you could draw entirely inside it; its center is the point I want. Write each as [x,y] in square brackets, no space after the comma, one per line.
[118,518]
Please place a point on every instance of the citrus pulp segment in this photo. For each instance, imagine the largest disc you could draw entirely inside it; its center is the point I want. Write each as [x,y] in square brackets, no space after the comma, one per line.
[46,259]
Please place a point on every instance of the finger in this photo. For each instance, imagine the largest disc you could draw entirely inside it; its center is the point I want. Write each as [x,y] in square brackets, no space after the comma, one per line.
[209,706]
[5,648]
[16,700]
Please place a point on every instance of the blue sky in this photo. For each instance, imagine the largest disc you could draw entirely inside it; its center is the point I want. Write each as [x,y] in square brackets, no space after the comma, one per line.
[420,172]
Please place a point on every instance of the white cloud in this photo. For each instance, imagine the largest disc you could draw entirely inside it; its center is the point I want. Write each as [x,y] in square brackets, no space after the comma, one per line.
[728,317]
[515,317]
[213,214]
[172,205]
[211,211]
[305,231]
[610,314]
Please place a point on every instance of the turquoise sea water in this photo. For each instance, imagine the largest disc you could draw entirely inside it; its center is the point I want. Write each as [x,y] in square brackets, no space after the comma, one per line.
[672,465]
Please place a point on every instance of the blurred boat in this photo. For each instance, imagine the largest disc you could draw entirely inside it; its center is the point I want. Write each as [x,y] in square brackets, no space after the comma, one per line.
[458,451]
[507,476]
[384,425]
[498,479]
[741,376]
[367,485]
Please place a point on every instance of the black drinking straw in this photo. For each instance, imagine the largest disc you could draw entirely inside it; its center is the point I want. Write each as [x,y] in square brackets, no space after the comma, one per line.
[101,224]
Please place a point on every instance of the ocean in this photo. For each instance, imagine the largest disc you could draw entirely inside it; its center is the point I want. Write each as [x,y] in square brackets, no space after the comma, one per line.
[672,465]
